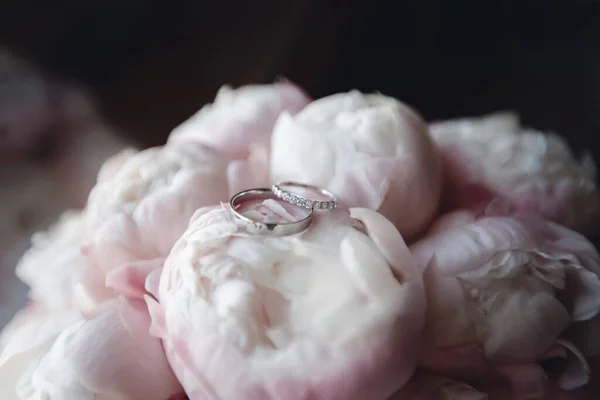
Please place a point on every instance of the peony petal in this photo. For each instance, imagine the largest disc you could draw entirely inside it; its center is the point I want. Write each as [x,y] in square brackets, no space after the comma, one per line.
[32,327]
[387,239]
[111,354]
[576,372]
[582,293]
[27,338]
[130,280]
[152,284]
[423,386]
[157,316]
[524,327]
[449,313]
[249,173]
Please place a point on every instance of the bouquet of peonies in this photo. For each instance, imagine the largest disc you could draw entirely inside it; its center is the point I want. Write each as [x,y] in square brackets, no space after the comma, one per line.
[455,266]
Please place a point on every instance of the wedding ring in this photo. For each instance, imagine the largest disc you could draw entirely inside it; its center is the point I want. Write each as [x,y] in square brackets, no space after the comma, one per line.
[303,201]
[266,228]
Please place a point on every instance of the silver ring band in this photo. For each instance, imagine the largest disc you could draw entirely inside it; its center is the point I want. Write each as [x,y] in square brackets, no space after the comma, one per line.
[266,228]
[302,201]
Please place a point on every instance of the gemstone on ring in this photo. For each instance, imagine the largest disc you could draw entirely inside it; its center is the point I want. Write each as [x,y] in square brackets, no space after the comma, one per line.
[299,200]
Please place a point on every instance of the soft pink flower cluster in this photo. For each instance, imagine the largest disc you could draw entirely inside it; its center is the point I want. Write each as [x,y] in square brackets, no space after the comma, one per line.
[445,273]
[37,181]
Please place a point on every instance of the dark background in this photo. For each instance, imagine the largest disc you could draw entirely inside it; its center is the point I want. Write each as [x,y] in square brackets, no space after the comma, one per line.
[153,63]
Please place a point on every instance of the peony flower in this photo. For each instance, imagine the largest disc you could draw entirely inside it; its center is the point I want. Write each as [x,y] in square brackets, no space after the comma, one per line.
[52,266]
[58,275]
[492,157]
[331,313]
[370,150]
[241,119]
[138,213]
[110,356]
[25,340]
[48,347]
[501,291]
[423,386]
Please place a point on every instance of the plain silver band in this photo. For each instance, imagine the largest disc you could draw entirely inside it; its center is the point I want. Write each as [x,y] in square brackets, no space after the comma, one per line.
[266,228]
[302,201]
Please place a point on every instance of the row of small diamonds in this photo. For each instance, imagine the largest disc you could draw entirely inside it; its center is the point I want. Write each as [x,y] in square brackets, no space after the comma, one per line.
[302,201]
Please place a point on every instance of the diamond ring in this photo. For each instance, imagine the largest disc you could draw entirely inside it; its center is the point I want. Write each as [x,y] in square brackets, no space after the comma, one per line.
[303,201]
[259,228]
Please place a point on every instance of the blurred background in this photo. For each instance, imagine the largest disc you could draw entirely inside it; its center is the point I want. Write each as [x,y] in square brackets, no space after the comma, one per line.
[80,80]
[151,64]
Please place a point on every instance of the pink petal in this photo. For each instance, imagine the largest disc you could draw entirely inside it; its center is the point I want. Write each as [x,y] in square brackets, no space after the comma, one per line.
[249,173]
[111,354]
[130,280]
[423,386]
[25,340]
[576,371]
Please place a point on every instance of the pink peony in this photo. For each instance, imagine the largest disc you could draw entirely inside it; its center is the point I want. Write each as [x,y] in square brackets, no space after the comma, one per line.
[140,206]
[110,356]
[331,313]
[370,150]
[501,291]
[137,213]
[47,349]
[493,157]
[241,119]
[26,339]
